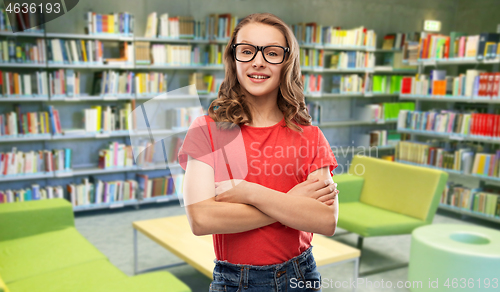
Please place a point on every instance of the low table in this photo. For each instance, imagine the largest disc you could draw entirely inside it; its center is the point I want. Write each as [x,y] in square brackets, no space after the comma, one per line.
[174,234]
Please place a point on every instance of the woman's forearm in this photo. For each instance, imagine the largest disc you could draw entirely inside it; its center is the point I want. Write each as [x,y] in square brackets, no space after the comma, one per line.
[211,217]
[298,212]
[205,215]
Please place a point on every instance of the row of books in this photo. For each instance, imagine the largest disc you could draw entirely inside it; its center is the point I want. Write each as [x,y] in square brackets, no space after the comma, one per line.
[390,84]
[220,26]
[17,123]
[147,83]
[204,83]
[64,82]
[352,60]
[35,192]
[437,83]
[484,200]
[382,111]
[116,155]
[391,109]
[34,83]
[377,138]
[183,117]
[82,194]
[348,84]
[67,82]
[142,53]
[465,158]
[23,20]
[313,83]
[178,55]
[107,118]
[396,41]
[13,51]
[313,33]
[91,191]
[30,162]
[314,110]
[112,23]
[127,83]
[311,57]
[87,192]
[171,55]
[173,27]
[75,51]
[433,154]
[114,82]
[455,45]
[445,121]
[186,54]
[474,83]
[160,186]
[486,85]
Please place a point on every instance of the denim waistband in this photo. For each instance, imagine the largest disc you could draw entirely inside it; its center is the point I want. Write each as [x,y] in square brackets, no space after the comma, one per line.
[250,274]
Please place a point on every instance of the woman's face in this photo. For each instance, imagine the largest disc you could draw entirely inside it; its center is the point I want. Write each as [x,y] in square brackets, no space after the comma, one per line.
[258,77]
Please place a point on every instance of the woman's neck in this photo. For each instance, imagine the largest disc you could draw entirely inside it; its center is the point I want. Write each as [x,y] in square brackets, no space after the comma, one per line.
[264,109]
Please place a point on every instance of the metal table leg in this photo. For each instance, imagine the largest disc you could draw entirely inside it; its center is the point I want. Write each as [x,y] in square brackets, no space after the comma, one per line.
[135,252]
[356,269]
[136,260]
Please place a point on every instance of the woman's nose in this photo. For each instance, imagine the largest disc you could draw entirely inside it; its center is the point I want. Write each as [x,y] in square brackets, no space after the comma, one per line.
[259,61]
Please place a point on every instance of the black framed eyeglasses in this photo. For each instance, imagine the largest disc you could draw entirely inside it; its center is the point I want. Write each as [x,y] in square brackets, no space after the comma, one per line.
[247,52]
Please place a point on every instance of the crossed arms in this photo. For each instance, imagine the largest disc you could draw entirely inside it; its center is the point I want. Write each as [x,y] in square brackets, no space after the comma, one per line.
[310,206]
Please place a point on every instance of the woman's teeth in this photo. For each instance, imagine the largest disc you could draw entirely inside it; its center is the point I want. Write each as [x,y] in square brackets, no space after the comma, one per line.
[259,76]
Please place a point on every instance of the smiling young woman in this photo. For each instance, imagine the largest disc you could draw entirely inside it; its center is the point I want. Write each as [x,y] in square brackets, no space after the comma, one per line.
[266,190]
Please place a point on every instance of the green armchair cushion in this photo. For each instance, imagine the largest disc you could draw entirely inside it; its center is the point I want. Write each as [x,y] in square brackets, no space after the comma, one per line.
[3,287]
[29,256]
[34,217]
[349,186]
[83,277]
[400,188]
[367,220]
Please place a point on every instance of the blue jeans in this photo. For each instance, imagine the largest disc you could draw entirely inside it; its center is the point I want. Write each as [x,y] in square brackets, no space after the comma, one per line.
[298,274]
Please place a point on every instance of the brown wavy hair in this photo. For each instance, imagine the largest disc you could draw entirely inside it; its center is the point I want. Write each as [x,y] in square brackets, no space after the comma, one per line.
[231,106]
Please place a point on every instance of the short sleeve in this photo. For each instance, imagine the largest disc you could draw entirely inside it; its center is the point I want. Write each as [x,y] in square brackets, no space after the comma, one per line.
[197,144]
[323,154]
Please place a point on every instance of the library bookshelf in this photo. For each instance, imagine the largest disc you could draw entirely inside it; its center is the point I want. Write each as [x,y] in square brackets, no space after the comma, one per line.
[469,103]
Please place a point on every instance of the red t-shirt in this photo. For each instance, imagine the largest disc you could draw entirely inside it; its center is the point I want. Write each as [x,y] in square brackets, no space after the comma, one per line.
[275,157]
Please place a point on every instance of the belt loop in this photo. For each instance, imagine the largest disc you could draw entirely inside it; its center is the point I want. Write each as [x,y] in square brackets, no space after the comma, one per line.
[298,272]
[245,279]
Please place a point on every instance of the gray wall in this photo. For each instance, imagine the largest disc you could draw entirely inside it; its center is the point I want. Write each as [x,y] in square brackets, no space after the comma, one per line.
[384,16]
[476,16]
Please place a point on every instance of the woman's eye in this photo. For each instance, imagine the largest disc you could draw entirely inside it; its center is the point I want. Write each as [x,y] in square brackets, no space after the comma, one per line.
[247,52]
[272,54]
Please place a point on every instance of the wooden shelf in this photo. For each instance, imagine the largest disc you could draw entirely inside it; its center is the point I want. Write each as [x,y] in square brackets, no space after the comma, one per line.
[470,213]
[448,98]
[355,123]
[102,36]
[448,136]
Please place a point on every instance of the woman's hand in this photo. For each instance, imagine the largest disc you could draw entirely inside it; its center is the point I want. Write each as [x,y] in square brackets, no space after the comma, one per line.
[323,191]
[232,191]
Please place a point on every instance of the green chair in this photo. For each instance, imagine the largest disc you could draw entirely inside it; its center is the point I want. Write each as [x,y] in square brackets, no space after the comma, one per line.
[453,257]
[381,198]
[41,251]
